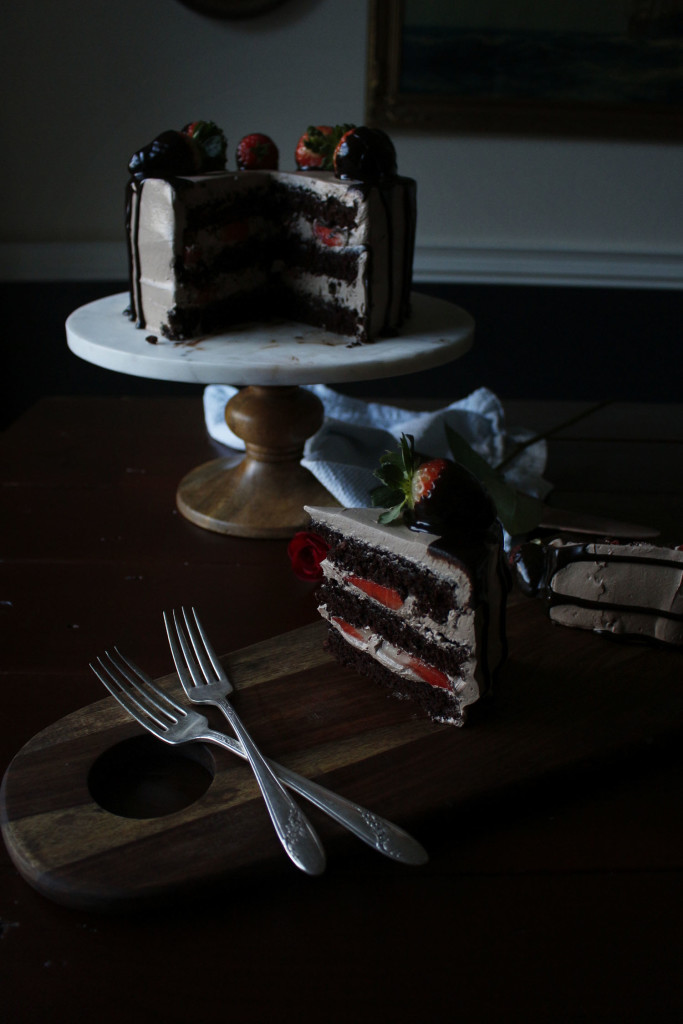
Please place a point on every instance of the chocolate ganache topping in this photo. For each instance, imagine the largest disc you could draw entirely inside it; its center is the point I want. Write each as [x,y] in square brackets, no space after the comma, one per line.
[442,497]
[198,148]
[457,504]
[529,562]
[431,495]
[366,154]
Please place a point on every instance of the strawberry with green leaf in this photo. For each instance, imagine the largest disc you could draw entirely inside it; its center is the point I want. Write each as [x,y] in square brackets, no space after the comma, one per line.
[211,141]
[315,149]
[435,495]
[257,152]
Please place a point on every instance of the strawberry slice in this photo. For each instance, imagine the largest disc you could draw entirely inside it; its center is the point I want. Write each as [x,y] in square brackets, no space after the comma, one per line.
[347,628]
[431,675]
[331,237]
[386,596]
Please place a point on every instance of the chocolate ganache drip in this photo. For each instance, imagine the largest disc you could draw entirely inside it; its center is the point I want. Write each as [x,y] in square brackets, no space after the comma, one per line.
[366,154]
[457,505]
[199,147]
[536,565]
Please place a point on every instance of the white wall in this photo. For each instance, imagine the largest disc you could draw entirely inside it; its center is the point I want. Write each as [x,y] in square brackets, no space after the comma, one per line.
[86,83]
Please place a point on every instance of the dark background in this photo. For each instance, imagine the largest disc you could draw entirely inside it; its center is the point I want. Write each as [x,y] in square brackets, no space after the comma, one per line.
[531,342]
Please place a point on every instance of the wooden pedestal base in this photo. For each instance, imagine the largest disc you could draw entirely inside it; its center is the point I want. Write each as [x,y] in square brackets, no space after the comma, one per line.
[264,494]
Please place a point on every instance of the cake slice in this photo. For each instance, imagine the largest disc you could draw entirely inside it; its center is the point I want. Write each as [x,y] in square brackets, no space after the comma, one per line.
[632,591]
[415,598]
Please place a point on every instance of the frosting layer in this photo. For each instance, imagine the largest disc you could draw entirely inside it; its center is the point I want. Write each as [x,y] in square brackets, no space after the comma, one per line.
[634,591]
[428,616]
[213,249]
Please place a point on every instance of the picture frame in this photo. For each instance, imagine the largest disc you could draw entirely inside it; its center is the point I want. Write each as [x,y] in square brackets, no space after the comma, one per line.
[599,71]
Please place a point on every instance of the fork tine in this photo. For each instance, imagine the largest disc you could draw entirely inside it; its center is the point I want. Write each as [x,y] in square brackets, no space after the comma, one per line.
[128,702]
[187,668]
[207,651]
[146,686]
[176,653]
[144,693]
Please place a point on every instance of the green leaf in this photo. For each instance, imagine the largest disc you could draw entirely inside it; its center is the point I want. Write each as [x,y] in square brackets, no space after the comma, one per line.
[391,475]
[390,514]
[325,144]
[386,496]
[519,513]
[395,472]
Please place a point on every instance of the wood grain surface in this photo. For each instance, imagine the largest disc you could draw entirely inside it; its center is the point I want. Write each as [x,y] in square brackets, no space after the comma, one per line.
[556,897]
[568,701]
[265,493]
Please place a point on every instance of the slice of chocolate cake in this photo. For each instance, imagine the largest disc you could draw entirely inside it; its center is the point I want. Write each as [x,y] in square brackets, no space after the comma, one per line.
[419,609]
[632,591]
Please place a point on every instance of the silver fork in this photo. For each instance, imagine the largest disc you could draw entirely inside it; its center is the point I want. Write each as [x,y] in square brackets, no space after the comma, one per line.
[170,722]
[212,686]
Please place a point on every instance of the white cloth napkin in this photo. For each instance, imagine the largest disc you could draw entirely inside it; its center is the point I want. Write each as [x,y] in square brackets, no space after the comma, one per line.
[346,450]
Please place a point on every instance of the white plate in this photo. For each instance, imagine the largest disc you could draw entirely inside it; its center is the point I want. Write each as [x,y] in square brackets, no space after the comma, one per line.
[280,353]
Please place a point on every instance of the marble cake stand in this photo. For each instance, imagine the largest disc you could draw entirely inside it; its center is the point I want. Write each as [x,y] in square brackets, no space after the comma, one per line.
[263,494]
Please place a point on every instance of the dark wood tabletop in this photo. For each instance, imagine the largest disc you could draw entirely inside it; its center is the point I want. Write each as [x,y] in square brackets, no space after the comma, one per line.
[553,901]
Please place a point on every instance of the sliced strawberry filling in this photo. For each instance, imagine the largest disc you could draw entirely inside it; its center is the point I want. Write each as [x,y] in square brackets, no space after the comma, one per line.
[431,675]
[428,673]
[331,237]
[386,596]
[347,628]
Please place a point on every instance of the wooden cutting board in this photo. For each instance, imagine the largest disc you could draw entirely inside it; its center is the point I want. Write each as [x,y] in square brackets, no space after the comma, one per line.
[71,799]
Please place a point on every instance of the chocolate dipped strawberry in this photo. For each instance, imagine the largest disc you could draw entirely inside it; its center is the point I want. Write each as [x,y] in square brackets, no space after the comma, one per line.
[212,144]
[171,153]
[315,149]
[366,154]
[448,498]
[432,495]
[257,152]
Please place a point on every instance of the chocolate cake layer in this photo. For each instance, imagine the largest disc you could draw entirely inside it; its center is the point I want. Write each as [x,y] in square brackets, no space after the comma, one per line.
[428,645]
[332,253]
[436,702]
[429,615]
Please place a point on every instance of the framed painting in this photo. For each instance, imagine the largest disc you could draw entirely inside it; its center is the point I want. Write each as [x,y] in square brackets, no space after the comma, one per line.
[607,68]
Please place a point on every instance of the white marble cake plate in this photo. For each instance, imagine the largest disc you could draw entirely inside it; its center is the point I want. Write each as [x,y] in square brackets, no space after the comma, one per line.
[263,495]
[270,354]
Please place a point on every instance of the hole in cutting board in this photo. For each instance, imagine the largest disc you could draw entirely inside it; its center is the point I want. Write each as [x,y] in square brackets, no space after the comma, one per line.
[142,778]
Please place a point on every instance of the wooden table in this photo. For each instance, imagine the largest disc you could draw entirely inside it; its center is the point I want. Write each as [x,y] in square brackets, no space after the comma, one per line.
[560,902]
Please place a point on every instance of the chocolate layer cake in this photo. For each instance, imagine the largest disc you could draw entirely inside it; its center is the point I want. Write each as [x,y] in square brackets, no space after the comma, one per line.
[213,249]
[410,609]
[633,591]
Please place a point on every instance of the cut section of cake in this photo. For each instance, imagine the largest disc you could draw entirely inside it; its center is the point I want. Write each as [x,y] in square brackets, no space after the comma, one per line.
[630,591]
[421,610]
[211,249]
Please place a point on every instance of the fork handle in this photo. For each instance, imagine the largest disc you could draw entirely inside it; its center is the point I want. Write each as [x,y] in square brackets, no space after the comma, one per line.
[382,835]
[297,835]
